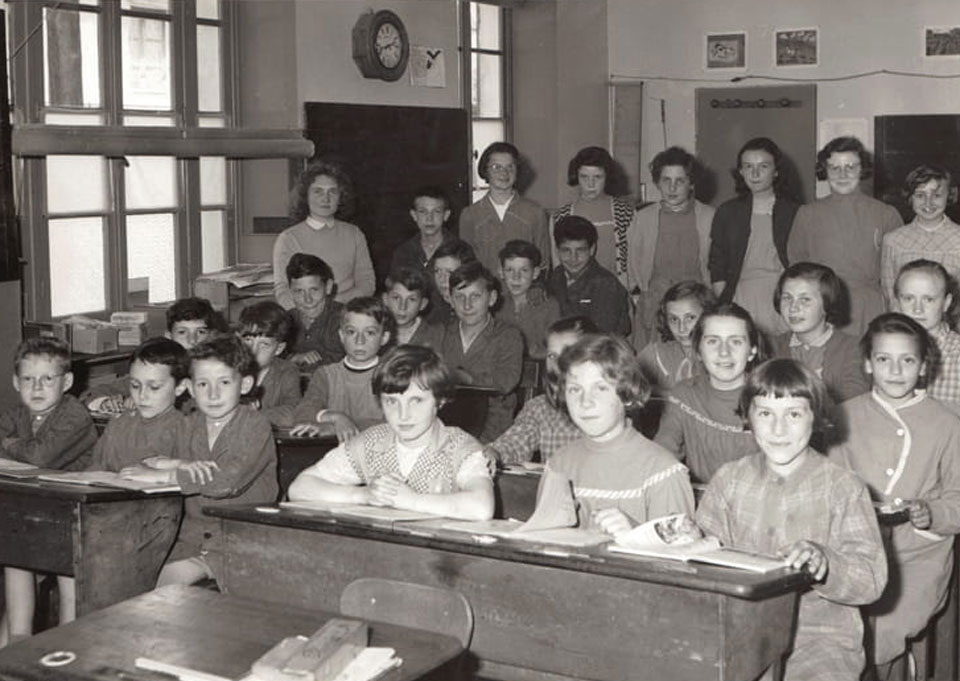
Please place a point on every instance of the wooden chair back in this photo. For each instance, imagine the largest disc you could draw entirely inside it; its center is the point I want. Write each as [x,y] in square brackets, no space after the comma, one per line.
[433,609]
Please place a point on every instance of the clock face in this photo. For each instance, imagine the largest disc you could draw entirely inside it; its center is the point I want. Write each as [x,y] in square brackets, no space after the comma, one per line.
[389,45]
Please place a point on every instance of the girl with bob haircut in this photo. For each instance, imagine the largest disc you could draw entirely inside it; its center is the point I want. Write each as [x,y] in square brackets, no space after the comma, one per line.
[787,500]
[502,214]
[811,300]
[931,235]
[620,478]
[748,239]
[600,183]
[413,461]
[701,420]
[320,200]
[903,443]
[673,357]
[846,229]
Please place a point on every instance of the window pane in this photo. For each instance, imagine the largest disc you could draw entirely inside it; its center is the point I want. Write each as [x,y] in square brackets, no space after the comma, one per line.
[484,26]
[76,184]
[92,3]
[487,93]
[146,63]
[149,5]
[213,181]
[151,254]
[208,9]
[212,237]
[211,122]
[485,133]
[209,97]
[151,182]
[71,58]
[156,121]
[59,118]
[77,281]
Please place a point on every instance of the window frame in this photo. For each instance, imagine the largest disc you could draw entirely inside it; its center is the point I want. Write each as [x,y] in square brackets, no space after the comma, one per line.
[506,77]
[185,140]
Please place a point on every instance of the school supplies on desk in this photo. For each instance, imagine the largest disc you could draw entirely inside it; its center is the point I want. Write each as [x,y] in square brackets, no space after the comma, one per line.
[675,537]
[107,479]
[514,529]
[359,511]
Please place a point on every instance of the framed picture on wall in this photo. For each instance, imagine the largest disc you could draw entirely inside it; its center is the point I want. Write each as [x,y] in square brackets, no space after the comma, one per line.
[726,50]
[796,47]
[941,41]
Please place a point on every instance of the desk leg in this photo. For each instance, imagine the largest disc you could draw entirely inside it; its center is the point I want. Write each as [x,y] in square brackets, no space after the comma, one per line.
[119,548]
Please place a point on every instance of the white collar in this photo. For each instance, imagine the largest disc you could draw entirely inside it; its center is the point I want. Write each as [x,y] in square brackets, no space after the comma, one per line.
[316,225]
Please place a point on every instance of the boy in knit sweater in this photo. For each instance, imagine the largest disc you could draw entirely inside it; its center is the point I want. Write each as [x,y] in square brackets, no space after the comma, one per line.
[526,304]
[339,397]
[317,315]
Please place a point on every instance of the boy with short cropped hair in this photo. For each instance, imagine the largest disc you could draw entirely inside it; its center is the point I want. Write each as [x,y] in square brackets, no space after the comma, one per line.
[407,296]
[316,314]
[225,455]
[265,328]
[581,285]
[481,349]
[430,212]
[527,305]
[159,369]
[340,395]
[49,429]
[189,321]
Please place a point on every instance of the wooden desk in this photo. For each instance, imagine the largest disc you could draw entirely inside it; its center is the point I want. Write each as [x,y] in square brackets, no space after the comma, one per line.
[537,616]
[205,631]
[112,541]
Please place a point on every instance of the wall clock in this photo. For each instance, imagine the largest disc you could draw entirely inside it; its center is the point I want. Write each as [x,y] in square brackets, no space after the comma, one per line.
[380,45]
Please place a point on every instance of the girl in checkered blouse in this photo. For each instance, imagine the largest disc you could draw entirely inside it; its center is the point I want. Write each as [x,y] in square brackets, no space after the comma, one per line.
[904,445]
[413,461]
[787,499]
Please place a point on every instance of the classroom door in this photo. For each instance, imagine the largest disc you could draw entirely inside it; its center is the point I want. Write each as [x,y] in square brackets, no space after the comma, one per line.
[390,151]
[728,117]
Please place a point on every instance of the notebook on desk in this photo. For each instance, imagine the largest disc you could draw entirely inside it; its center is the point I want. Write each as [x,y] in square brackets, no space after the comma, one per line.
[107,479]
[20,470]
[359,511]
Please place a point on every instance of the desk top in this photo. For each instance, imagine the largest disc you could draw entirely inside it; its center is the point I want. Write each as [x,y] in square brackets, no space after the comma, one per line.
[201,630]
[596,560]
[75,493]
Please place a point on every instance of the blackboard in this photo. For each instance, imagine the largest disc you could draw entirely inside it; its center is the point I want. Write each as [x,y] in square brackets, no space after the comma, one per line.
[390,151]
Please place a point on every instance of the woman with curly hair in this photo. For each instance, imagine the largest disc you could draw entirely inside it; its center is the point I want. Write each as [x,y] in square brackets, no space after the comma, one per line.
[322,194]
[845,230]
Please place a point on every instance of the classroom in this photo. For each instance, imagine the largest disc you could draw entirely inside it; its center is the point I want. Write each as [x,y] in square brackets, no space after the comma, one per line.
[498,339]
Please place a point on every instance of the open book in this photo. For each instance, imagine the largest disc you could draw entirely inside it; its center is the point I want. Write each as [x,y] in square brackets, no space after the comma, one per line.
[107,479]
[360,511]
[675,537]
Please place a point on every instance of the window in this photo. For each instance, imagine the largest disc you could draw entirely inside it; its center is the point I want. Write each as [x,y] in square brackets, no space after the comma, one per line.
[488,80]
[118,210]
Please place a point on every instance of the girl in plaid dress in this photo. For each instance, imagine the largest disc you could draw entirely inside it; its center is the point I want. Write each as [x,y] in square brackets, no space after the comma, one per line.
[789,500]
[413,461]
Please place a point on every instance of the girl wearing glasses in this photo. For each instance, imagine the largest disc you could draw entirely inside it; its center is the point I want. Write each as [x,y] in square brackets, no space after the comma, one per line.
[502,214]
[845,230]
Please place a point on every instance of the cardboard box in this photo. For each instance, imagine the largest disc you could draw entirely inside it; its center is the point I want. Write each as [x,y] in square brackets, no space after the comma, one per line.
[132,327]
[95,340]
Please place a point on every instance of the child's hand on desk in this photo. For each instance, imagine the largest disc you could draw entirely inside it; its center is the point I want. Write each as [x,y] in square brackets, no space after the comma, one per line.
[809,556]
[312,357]
[150,475]
[200,472]
[113,404]
[161,463]
[306,430]
[612,521]
[343,426]
[391,490]
[920,516]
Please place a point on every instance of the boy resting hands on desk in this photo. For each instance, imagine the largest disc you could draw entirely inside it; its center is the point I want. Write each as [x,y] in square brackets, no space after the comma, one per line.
[49,429]
[413,461]
[225,454]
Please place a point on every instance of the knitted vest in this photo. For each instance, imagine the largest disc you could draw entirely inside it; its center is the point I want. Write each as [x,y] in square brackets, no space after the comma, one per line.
[373,453]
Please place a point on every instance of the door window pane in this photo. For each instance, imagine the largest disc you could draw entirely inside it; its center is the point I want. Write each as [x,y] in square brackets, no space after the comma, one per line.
[151,255]
[213,181]
[151,182]
[77,282]
[213,238]
[211,122]
[487,92]
[146,63]
[151,121]
[208,9]
[149,5]
[484,26]
[61,118]
[209,97]
[485,133]
[71,58]
[76,184]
